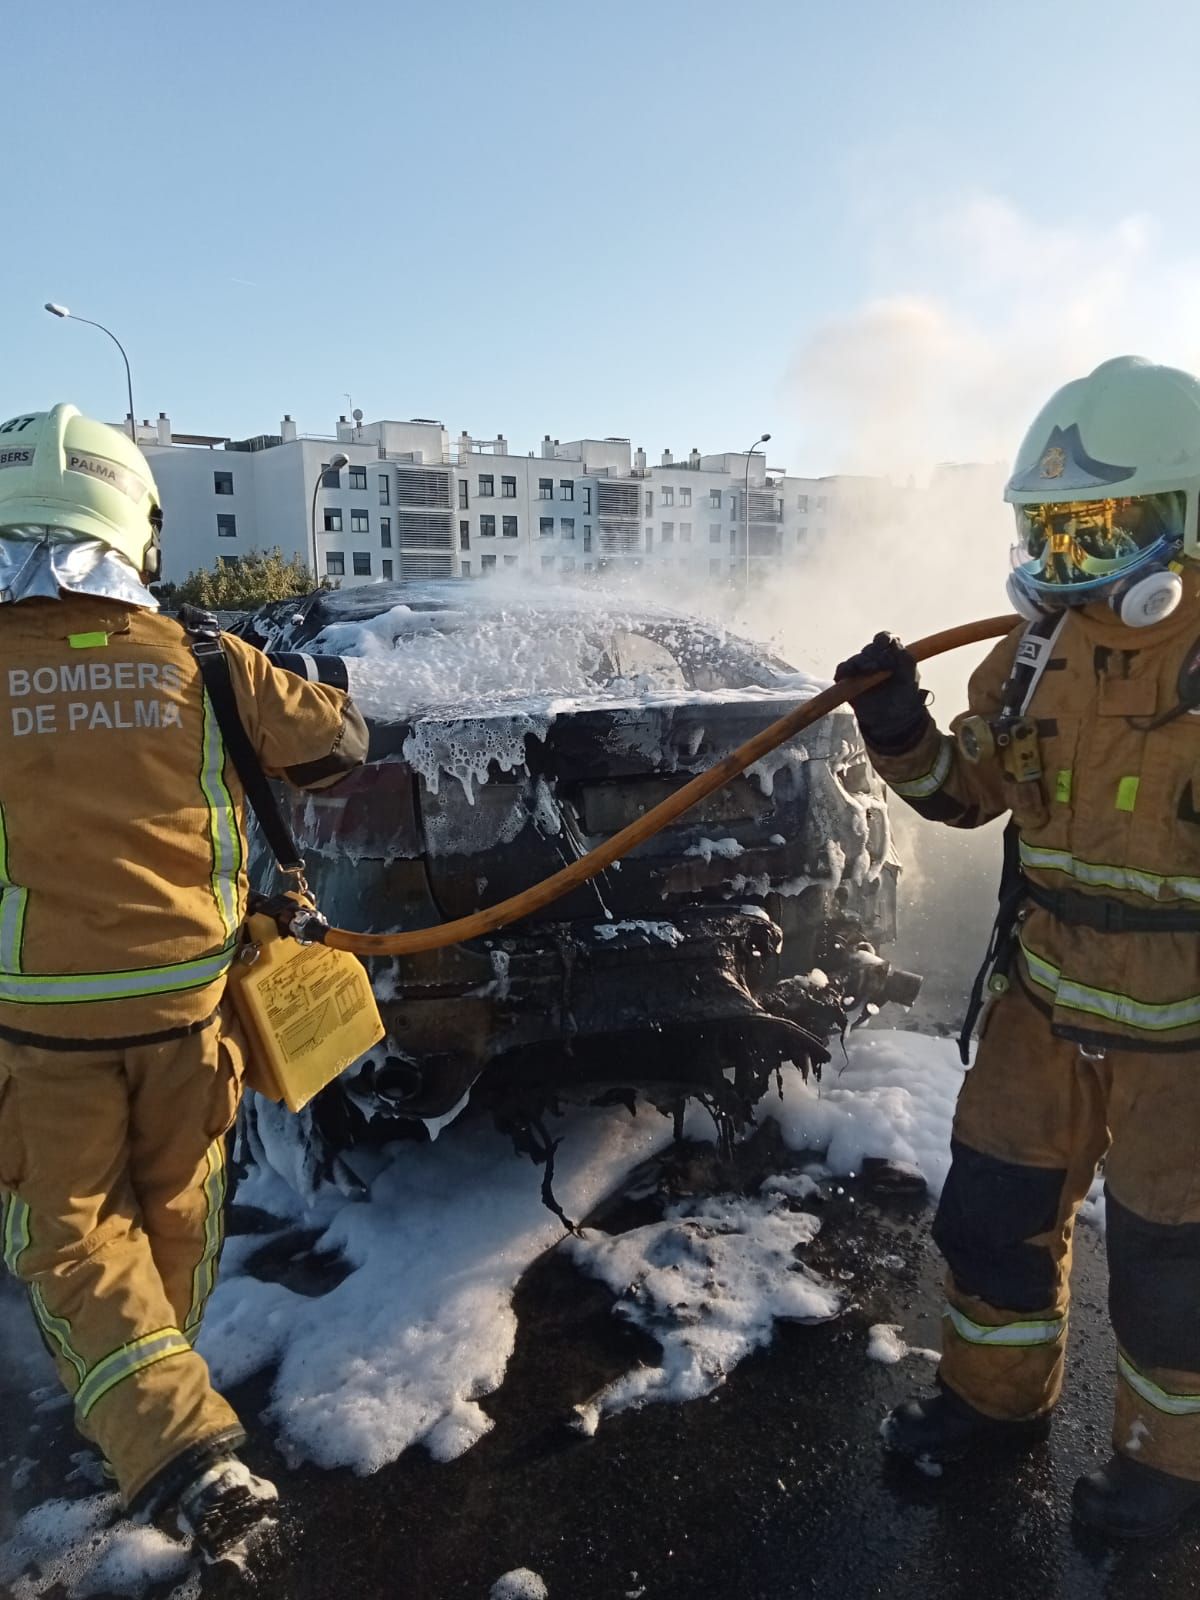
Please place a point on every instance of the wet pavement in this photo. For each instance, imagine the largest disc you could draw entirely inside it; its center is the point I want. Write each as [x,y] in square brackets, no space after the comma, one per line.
[773,1488]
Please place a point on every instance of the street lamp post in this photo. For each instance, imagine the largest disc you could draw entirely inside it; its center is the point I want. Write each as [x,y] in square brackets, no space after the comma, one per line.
[56,310]
[763,438]
[335,464]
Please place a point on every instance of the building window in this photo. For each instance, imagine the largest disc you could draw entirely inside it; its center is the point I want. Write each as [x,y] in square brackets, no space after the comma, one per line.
[715,568]
[464,498]
[222,482]
[487,527]
[362,563]
[667,496]
[385,490]
[714,533]
[649,502]
[487,486]
[685,497]
[330,480]
[546,526]
[360,522]
[714,499]
[587,499]
[385,532]
[487,566]
[685,533]
[668,533]
[820,502]
[649,538]
[545,488]
[226,527]
[335,563]
[566,489]
[464,536]
[568,564]
[387,569]
[801,502]
[508,488]
[229,562]
[358,477]
[587,537]
[547,563]
[510,561]
[333,519]
[509,527]
[464,568]
[567,526]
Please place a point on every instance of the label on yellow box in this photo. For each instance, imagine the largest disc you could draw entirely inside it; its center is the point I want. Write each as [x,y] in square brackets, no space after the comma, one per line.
[308,1012]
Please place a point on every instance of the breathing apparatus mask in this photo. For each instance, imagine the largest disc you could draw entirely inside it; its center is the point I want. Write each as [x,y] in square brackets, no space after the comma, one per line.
[1126,551]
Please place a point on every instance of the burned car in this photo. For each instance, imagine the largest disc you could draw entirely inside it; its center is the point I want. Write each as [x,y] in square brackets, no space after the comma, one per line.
[509,737]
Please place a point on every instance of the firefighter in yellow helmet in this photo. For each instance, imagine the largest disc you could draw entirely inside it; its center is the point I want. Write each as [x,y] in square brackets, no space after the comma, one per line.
[1084,727]
[122,888]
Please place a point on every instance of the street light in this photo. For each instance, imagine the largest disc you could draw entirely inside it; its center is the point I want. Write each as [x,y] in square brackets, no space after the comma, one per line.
[335,464]
[56,310]
[763,438]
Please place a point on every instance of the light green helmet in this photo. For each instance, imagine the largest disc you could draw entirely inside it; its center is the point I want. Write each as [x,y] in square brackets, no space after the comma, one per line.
[1106,487]
[59,469]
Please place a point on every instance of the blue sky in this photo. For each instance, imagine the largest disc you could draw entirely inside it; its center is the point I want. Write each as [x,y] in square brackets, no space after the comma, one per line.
[673,221]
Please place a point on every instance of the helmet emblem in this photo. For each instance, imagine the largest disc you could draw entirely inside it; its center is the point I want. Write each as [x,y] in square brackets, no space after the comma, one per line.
[1053,462]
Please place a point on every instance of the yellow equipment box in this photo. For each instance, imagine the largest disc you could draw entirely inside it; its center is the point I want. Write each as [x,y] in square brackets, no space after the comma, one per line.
[308,1012]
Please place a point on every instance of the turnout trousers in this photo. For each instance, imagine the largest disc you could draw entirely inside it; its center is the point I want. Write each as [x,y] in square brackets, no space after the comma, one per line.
[112,1176]
[1034,1119]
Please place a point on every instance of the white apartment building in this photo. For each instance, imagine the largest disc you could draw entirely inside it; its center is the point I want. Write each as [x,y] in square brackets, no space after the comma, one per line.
[411,504]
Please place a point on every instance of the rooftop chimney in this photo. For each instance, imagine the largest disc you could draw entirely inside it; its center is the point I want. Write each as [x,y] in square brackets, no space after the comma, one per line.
[639,459]
[694,460]
[287,429]
[164,428]
[668,459]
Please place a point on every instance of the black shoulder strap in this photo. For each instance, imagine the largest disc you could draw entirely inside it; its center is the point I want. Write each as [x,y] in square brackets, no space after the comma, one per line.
[204,632]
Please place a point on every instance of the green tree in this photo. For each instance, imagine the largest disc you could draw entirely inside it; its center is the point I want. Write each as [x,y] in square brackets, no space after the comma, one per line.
[258,577]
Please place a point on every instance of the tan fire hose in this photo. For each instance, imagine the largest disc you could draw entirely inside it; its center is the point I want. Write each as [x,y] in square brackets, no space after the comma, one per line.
[662,815]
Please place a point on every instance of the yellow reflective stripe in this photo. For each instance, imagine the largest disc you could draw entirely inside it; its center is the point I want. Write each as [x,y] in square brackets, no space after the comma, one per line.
[1097,875]
[1047,1331]
[78,987]
[12,909]
[1062,787]
[1147,1015]
[223,830]
[123,1363]
[56,1330]
[932,781]
[205,1273]
[1127,791]
[1174,1405]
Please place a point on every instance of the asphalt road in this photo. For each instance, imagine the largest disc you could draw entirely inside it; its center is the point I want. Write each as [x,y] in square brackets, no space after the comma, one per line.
[773,1488]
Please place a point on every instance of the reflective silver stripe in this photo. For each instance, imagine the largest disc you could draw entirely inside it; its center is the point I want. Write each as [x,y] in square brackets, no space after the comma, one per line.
[1149,1016]
[222,824]
[311,671]
[72,988]
[921,788]
[1175,1405]
[1009,1333]
[123,1363]
[1099,876]
[205,1273]
[12,909]
[55,1330]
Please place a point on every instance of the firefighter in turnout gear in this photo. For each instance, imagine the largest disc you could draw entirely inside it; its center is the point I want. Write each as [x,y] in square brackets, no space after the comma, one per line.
[1084,727]
[122,890]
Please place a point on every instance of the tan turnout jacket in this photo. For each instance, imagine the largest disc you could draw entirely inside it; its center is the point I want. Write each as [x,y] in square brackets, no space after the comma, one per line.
[1118,817]
[122,841]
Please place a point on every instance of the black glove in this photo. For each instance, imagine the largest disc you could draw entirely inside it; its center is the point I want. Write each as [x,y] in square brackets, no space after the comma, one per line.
[892,716]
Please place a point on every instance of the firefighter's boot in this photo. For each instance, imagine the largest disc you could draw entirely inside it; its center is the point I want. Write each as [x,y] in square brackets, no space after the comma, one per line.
[944,1428]
[228,1514]
[1128,1500]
